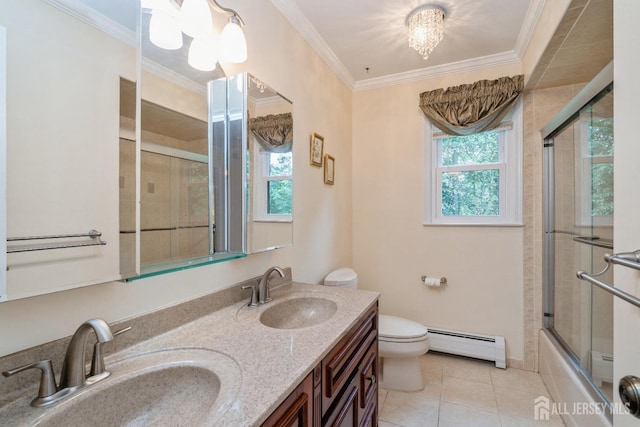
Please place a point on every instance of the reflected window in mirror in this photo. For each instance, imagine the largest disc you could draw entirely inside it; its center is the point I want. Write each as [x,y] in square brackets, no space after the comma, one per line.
[273,186]
[270,167]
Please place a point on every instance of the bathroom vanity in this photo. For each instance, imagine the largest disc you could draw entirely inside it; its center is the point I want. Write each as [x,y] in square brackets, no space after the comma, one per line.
[316,364]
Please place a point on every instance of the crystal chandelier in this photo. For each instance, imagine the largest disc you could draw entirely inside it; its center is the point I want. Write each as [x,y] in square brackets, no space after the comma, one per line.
[425,28]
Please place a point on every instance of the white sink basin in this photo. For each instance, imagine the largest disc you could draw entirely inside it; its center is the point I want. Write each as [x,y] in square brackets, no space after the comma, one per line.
[298,313]
[181,387]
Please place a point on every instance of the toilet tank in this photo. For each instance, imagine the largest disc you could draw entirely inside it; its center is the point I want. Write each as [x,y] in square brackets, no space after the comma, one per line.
[343,277]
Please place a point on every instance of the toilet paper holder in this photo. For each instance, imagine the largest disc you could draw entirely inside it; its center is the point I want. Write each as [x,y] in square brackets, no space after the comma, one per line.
[443,280]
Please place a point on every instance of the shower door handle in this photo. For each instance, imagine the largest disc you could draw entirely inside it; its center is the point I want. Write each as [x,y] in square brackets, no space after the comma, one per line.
[629,390]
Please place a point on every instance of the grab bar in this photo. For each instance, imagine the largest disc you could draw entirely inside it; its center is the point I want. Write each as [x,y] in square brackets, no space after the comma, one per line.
[594,241]
[607,287]
[93,234]
[626,259]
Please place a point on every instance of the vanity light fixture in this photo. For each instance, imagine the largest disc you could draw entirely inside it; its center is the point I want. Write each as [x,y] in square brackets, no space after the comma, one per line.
[426,27]
[171,18]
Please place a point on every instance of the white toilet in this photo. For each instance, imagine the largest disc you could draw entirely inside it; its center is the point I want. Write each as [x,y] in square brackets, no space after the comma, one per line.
[400,342]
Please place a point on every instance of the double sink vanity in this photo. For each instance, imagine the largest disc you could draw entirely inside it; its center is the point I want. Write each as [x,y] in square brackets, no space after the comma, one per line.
[308,357]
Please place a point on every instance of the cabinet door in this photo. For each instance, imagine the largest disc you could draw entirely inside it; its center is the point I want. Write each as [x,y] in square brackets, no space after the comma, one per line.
[369,375]
[370,417]
[297,409]
[344,358]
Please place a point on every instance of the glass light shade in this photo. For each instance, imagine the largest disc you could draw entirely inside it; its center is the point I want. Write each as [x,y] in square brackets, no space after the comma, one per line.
[164,31]
[195,18]
[233,45]
[426,27]
[203,54]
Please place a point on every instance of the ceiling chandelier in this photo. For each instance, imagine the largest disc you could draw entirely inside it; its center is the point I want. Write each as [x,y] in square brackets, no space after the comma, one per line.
[426,25]
[193,18]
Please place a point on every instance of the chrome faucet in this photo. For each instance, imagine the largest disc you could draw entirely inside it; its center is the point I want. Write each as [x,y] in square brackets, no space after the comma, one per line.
[263,286]
[73,368]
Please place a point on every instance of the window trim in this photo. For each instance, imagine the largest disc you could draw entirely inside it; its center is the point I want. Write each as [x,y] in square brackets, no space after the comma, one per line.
[511,181]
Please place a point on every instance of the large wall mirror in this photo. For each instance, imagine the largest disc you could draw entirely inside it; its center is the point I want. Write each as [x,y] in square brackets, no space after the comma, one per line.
[121,157]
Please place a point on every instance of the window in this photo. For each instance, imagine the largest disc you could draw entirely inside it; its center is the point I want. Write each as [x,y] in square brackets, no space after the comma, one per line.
[273,186]
[475,179]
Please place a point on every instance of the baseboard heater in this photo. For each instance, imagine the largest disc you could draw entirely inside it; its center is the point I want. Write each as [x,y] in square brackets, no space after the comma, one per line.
[483,347]
[601,368]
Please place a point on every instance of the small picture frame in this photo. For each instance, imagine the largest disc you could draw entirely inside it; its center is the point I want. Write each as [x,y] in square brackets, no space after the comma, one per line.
[316,150]
[329,169]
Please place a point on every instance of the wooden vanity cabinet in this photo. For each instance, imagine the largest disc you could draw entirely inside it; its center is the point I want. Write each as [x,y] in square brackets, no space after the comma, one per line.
[342,391]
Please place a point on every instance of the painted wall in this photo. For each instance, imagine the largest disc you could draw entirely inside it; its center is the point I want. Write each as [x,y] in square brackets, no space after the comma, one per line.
[322,225]
[393,249]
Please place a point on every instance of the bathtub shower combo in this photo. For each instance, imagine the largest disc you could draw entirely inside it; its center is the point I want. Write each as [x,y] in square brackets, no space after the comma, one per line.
[576,345]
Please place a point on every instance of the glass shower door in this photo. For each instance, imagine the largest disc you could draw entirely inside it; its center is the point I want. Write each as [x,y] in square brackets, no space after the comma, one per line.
[579,233]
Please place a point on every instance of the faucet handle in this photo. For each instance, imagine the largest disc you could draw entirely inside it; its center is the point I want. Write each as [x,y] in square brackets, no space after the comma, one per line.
[253,302]
[47,379]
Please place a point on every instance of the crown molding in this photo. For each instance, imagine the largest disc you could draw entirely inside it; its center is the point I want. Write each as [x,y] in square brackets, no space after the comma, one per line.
[294,15]
[173,77]
[81,11]
[528,26]
[84,13]
[297,19]
[488,61]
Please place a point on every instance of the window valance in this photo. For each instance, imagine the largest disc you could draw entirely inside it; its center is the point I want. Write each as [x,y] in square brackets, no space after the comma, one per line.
[471,108]
[273,132]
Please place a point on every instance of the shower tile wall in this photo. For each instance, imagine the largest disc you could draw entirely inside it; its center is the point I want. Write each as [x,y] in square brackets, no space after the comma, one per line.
[539,107]
[127,199]
[173,194]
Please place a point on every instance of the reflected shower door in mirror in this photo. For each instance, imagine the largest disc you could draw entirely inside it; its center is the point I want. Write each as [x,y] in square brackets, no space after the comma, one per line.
[270,159]
[185,172]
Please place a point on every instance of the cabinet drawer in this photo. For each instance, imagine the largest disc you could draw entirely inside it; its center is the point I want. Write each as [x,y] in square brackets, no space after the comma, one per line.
[341,362]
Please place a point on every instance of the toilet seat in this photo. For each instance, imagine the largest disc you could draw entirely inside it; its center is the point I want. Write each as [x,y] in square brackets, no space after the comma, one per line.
[400,330]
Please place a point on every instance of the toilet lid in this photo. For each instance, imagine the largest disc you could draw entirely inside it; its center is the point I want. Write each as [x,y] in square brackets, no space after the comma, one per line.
[398,327]
[340,277]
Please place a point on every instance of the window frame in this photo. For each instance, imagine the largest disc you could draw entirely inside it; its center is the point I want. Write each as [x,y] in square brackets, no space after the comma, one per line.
[261,181]
[509,164]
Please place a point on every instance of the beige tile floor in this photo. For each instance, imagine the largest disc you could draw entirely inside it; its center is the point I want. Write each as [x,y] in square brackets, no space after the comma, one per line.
[466,393]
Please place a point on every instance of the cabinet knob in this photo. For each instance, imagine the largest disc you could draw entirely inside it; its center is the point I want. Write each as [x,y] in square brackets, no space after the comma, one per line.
[372,378]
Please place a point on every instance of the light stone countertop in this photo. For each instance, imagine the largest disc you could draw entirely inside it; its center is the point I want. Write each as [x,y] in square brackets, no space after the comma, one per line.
[265,364]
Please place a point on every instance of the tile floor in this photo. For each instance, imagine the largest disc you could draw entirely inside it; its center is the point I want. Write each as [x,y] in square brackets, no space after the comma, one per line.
[466,393]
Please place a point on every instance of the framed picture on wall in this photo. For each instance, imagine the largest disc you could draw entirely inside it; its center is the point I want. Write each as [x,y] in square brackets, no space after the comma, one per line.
[329,169]
[316,149]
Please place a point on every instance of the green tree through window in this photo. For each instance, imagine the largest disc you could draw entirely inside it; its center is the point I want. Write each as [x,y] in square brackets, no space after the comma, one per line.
[473,192]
